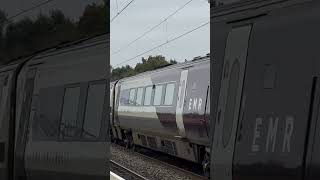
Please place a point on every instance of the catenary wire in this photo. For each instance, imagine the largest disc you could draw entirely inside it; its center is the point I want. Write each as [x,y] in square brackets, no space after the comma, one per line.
[160,45]
[152,28]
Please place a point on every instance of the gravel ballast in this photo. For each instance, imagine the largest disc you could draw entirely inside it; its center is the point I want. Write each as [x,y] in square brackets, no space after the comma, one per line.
[151,169]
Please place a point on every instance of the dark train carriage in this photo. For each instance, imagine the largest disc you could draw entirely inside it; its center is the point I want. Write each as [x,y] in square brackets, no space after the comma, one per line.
[54,113]
[266,72]
[165,110]
[41,43]
[48,39]
[7,86]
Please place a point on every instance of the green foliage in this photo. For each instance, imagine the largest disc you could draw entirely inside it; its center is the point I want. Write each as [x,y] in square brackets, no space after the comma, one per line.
[151,63]
[172,61]
[122,72]
[27,36]
[18,38]
[94,19]
[3,19]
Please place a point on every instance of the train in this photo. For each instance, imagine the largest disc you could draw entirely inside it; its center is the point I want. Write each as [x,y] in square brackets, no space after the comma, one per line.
[265,93]
[54,111]
[263,84]
[165,110]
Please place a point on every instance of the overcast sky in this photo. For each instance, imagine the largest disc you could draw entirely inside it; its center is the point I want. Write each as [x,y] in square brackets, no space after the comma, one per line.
[142,15]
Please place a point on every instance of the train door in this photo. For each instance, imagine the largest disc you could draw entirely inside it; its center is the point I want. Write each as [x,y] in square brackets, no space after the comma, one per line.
[115,119]
[23,130]
[111,103]
[113,130]
[229,102]
[180,102]
[313,148]
[207,112]
[4,125]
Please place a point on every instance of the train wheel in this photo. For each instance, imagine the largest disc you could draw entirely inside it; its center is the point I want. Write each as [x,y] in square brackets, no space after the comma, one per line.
[207,173]
[206,165]
[134,147]
[129,145]
[128,139]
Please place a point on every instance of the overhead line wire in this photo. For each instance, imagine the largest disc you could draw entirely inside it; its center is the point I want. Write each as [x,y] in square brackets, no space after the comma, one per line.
[153,28]
[125,7]
[160,45]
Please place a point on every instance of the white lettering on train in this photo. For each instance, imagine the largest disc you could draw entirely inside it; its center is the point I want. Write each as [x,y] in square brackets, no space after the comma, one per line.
[288,134]
[255,147]
[199,104]
[195,104]
[271,134]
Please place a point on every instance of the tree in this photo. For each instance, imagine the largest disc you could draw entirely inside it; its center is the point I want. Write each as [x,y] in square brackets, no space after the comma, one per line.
[151,63]
[26,36]
[18,38]
[64,28]
[95,19]
[173,61]
[122,72]
[3,20]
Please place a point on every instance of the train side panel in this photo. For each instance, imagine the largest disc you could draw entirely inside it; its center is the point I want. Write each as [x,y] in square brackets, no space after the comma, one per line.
[280,87]
[277,123]
[196,110]
[6,122]
[64,134]
[147,117]
[166,110]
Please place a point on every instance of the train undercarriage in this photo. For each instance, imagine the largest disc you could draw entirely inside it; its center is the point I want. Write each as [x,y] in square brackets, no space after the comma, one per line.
[176,147]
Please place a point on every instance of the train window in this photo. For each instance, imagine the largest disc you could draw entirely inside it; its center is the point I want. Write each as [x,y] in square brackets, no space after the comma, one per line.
[132,96]
[1,89]
[139,97]
[45,125]
[168,98]
[147,96]
[94,110]
[70,112]
[231,102]
[1,100]
[158,95]
[269,76]
[124,97]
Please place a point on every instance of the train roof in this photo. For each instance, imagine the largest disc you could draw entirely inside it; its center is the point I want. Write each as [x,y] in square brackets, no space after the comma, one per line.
[74,46]
[59,49]
[197,60]
[229,7]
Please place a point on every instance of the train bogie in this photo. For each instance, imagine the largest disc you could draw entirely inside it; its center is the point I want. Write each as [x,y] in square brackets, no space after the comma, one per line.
[174,147]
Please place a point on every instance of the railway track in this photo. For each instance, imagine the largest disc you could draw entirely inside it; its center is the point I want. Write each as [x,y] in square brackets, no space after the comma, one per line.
[192,174]
[124,172]
[162,163]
